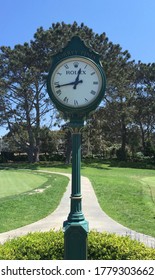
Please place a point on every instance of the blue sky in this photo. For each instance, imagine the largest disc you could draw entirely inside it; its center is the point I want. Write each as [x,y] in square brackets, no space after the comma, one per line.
[130,23]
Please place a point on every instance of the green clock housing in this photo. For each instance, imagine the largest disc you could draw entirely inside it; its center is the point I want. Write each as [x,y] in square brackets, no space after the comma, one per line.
[76,81]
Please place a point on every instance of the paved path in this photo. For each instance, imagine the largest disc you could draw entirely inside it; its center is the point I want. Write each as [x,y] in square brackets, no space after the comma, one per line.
[97,219]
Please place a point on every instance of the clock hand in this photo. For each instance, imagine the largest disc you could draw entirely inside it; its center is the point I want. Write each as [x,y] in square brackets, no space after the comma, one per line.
[58,86]
[77,79]
[68,84]
[75,83]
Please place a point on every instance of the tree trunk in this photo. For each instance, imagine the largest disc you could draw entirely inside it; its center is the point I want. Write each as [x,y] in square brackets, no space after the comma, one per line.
[142,136]
[36,154]
[30,153]
[123,144]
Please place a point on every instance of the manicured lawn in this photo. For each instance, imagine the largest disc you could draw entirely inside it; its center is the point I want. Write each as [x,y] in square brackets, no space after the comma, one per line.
[13,182]
[125,194]
[28,197]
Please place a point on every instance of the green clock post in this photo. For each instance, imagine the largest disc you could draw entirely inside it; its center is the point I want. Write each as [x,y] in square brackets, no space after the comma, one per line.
[76,85]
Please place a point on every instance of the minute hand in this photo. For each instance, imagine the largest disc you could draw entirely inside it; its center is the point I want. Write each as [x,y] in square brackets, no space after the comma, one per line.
[68,84]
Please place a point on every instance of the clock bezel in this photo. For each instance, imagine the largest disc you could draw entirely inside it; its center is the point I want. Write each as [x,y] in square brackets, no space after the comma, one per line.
[84,109]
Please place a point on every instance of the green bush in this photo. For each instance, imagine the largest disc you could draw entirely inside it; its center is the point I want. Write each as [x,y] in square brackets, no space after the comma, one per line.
[34,246]
[104,246]
[49,246]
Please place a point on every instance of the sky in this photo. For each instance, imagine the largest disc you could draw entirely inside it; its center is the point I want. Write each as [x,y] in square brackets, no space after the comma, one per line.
[129,23]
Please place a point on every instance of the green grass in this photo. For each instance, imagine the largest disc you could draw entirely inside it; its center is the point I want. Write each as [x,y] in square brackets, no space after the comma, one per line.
[126,194]
[28,205]
[13,182]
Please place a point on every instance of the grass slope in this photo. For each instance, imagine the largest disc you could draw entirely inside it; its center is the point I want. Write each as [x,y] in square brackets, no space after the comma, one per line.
[126,194]
[13,182]
[30,206]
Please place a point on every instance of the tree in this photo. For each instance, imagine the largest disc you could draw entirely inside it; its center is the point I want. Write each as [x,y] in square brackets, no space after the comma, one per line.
[25,100]
[24,72]
[144,103]
[119,70]
[114,119]
[52,142]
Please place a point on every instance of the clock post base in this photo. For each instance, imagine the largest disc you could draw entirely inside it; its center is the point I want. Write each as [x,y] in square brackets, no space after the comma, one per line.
[75,240]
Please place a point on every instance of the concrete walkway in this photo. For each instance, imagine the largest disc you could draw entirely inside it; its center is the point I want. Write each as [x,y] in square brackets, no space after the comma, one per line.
[97,219]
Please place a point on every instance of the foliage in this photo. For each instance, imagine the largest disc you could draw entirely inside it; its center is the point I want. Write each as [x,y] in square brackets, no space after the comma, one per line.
[126,117]
[49,246]
[144,103]
[25,103]
[34,246]
[125,120]
[104,246]
[121,154]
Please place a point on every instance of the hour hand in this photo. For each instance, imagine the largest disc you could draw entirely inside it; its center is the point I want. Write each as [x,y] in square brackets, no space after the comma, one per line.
[77,79]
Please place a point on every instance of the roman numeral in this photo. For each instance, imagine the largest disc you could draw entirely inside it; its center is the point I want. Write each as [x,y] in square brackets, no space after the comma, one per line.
[66,66]
[76,103]
[65,99]
[93,92]
[56,84]
[95,83]
[58,92]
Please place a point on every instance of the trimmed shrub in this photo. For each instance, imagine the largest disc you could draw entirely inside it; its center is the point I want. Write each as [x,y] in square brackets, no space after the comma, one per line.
[34,246]
[105,246]
[50,246]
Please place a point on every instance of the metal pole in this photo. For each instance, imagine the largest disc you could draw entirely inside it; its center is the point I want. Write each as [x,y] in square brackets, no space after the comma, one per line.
[76,227]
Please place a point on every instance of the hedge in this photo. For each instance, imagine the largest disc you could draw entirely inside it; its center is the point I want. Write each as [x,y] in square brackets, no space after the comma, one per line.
[50,246]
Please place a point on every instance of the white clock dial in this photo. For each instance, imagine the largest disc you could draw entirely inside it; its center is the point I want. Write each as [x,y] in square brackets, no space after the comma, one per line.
[76,82]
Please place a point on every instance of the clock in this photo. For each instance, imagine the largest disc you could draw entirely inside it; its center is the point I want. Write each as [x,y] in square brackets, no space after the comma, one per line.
[76,84]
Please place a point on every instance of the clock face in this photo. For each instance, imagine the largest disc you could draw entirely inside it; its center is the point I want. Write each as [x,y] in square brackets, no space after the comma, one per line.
[76,82]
